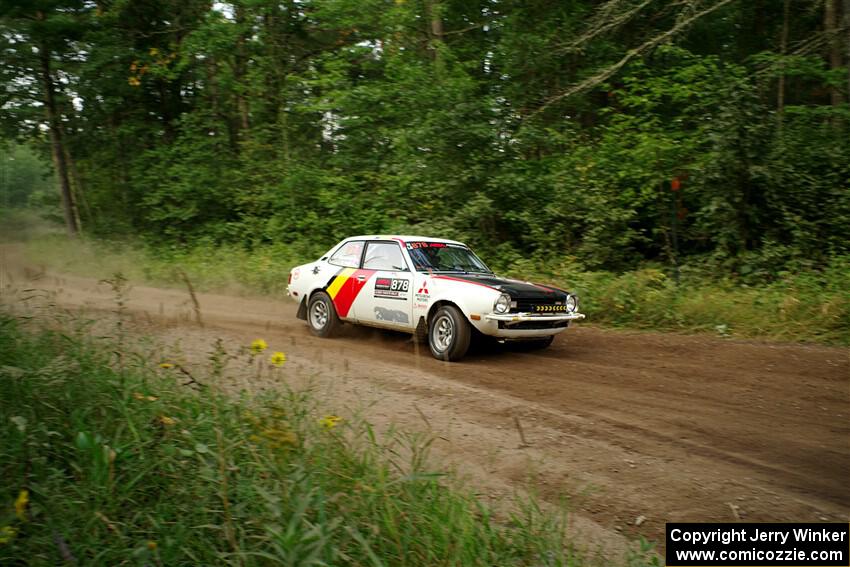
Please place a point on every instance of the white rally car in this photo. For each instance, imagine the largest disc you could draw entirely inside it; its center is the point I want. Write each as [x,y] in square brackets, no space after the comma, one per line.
[437,289]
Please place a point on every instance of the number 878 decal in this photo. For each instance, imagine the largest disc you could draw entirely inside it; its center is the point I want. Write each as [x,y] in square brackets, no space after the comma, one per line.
[391,288]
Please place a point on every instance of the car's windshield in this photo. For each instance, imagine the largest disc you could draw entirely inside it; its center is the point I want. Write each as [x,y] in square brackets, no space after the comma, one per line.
[444,257]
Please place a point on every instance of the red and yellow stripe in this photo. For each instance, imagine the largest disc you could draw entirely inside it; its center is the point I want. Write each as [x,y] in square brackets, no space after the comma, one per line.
[345,287]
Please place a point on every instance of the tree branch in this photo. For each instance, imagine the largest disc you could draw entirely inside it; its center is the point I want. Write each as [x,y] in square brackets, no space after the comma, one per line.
[464,30]
[631,54]
[610,24]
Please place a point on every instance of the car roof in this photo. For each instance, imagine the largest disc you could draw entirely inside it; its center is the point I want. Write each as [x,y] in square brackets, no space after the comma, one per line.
[403,238]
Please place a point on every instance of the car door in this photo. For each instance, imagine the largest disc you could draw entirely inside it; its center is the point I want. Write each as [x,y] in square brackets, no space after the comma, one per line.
[344,280]
[386,297]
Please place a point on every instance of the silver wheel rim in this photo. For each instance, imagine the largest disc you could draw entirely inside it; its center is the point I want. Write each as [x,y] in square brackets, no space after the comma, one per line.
[319,315]
[443,333]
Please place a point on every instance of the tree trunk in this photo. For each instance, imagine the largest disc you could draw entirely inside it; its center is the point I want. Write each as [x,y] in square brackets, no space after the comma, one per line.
[830,24]
[847,41]
[56,144]
[80,194]
[74,178]
[436,21]
[783,48]
[239,71]
[436,32]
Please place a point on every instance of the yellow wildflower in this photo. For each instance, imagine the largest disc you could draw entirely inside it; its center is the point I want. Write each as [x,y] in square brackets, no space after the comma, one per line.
[21,504]
[278,437]
[151,545]
[278,359]
[276,434]
[166,365]
[142,397]
[258,346]
[330,421]
[168,421]
[7,534]
[134,81]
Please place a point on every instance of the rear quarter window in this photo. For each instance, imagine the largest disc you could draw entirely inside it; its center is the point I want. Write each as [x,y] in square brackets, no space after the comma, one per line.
[348,256]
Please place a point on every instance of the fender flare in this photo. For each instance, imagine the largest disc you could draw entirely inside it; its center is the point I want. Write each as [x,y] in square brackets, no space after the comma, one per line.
[443,301]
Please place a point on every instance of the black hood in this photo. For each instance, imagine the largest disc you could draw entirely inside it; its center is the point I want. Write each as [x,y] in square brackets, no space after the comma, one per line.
[515,288]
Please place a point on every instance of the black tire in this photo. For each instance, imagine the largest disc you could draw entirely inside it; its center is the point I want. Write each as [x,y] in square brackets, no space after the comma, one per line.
[449,334]
[321,315]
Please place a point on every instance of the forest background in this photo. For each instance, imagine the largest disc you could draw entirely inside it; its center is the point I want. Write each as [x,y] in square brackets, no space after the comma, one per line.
[682,164]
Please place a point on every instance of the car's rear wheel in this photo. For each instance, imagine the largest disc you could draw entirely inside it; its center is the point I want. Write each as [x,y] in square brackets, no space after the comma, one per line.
[322,316]
[449,334]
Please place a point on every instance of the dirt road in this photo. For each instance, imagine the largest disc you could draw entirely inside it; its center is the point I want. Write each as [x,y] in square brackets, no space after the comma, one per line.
[634,429]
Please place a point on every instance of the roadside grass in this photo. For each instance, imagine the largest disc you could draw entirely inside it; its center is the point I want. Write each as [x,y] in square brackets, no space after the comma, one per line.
[812,306]
[106,459]
[23,224]
[805,306]
[226,269]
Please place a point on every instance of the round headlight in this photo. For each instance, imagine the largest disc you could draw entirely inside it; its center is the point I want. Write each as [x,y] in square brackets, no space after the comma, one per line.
[572,303]
[503,304]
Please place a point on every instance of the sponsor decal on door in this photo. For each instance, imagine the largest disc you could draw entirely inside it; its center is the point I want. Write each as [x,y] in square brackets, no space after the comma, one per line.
[392,288]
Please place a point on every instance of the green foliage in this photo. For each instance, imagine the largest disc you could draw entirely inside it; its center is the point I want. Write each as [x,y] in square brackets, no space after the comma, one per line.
[190,184]
[124,465]
[24,177]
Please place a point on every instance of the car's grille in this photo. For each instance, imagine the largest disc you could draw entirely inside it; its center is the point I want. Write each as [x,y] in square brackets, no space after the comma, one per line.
[527,305]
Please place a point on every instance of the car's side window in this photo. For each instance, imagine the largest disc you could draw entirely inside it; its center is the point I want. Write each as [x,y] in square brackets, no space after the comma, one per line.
[384,256]
[348,256]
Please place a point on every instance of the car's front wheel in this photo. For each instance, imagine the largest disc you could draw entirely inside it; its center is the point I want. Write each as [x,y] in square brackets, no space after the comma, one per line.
[449,334]
[322,316]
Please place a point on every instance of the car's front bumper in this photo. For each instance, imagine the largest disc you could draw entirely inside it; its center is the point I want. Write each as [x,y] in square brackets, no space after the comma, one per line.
[524,326]
[514,318]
